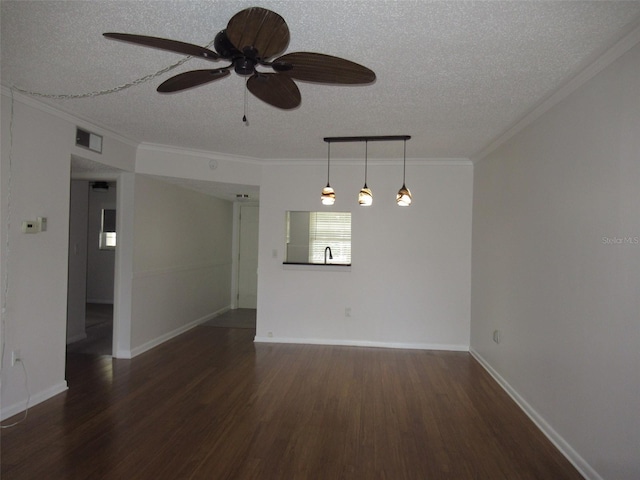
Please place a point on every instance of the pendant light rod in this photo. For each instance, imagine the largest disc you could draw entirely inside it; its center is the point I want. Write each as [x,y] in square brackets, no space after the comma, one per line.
[403,198]
[366,155]
[328,160]
[365,197]
[404,162]
[376,138]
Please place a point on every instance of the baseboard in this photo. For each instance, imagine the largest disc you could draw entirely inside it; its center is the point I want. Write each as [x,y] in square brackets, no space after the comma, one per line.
[134,352]
[363,343]
[39,397]
[76,338]
[123,354]
[560,443]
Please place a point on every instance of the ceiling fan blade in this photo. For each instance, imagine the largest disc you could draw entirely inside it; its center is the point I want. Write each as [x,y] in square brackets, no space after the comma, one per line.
[321,68]
[191,79]
[262,29]
[275,89]
[166,44]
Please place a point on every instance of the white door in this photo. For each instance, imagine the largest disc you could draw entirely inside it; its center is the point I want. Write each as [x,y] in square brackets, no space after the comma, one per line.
[248,257]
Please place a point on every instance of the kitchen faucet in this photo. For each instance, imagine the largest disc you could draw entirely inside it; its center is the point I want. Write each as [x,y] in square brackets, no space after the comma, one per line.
[325,254]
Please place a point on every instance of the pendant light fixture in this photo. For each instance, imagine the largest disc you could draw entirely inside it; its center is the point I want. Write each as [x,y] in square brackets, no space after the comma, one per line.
[365,197]
[328,196]
[403,198]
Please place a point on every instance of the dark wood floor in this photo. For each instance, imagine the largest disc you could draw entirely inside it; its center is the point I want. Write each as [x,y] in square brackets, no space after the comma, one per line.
[211,404]
[99,330]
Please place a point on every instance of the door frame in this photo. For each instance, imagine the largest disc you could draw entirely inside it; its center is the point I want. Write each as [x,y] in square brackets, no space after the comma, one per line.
[123,268]
[235,250]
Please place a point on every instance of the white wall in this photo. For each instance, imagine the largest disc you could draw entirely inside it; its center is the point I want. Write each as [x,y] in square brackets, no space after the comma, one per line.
[556,268]
[39,149]
[409,284]
[77,285]
[181,260]
[123,294]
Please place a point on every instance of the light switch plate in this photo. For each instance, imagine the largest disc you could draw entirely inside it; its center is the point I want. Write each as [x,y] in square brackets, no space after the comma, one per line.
[30,226]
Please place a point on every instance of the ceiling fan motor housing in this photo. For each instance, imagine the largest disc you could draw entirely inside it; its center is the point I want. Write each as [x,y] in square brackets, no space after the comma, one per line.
[224,47]
[244,66]
[244,63]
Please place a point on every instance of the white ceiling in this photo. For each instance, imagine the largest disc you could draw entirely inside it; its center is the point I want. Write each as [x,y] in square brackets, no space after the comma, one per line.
[454,75]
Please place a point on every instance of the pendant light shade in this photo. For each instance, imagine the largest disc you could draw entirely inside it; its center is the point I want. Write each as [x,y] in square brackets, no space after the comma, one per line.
[328,196]
[403,198]
[365,197]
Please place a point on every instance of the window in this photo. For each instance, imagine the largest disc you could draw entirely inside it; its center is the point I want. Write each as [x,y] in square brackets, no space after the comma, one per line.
[330,229]
[308,234]
[108,230]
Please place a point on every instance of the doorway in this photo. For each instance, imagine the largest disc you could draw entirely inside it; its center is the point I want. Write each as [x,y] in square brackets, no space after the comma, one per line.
[90,296]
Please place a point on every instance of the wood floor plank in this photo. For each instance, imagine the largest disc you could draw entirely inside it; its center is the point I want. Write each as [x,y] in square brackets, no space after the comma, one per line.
[211,404]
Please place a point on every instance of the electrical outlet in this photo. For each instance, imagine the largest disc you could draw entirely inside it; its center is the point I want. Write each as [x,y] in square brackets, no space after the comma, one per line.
[347,312]
[497,336]
[15,357]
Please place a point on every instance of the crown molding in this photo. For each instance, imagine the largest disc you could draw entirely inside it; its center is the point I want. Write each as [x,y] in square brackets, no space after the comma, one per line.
[448,162]
[192,152]
[626,43]
[155,147]
[66,116]
[210,155]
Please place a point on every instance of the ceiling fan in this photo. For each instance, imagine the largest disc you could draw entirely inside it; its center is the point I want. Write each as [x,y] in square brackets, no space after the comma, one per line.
[252,38]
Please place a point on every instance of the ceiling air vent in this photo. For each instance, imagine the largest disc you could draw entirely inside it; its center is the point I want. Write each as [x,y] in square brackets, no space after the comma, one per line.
[89,140]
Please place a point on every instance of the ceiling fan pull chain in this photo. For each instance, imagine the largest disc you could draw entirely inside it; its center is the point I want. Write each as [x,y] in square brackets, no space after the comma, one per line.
[246,104]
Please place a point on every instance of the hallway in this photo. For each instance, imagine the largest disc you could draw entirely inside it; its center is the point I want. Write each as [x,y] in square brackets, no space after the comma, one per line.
[99,329]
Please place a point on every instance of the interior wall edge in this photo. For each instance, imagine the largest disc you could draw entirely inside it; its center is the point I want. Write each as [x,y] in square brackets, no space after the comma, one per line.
[621,47]
[560,443]
[134,352]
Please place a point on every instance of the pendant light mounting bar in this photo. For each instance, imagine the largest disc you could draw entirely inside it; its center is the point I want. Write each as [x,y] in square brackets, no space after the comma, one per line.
[376,138]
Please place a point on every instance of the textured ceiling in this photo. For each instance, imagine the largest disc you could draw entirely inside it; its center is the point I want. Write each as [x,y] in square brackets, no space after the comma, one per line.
[454,75]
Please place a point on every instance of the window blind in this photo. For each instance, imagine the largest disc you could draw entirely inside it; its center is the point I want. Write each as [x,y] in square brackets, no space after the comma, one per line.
[330,229]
